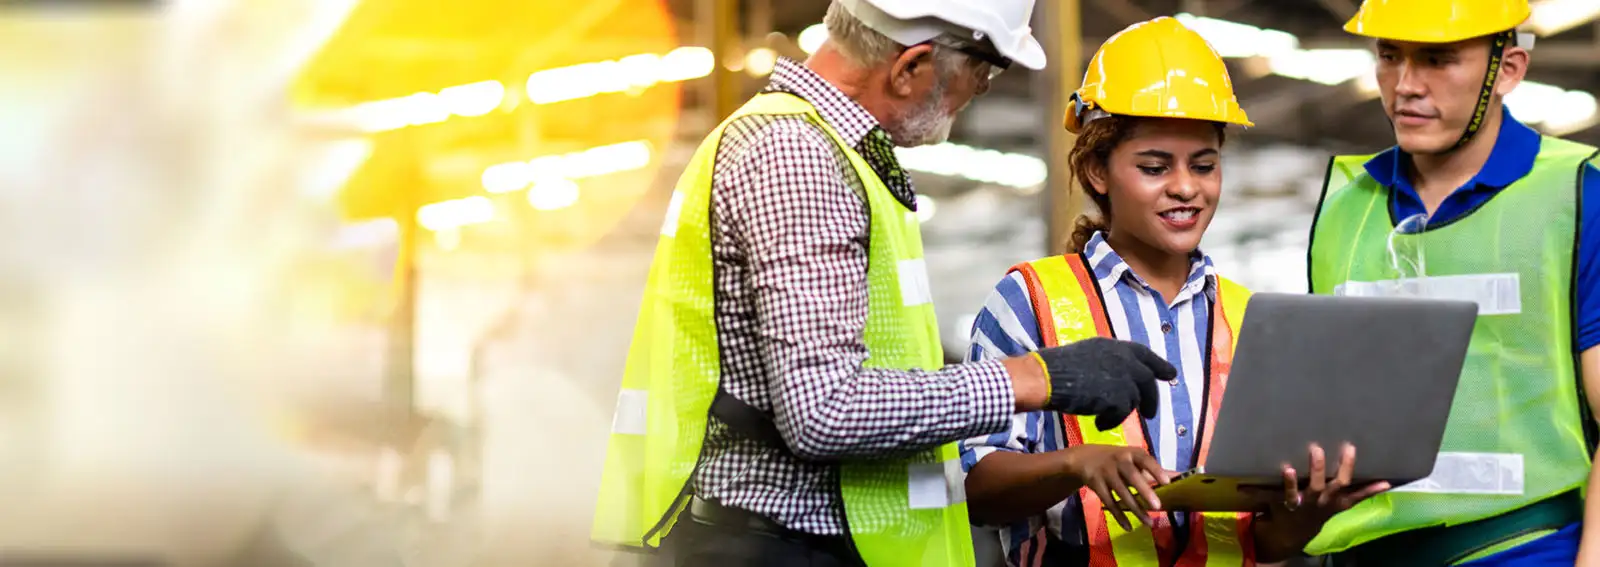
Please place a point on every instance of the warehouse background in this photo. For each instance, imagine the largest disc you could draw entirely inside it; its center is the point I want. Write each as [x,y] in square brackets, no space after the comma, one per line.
[399,244]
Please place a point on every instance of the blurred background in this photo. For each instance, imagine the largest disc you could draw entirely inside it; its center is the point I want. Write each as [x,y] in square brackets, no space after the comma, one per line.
[350,282]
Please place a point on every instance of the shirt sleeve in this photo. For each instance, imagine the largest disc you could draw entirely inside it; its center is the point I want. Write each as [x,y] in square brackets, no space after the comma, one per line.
[1006,326]
[1587,277]
[802,228]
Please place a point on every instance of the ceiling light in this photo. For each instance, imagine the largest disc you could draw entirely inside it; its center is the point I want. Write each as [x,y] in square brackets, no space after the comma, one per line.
[593,162]
[812,38]
[1554,108]
[553,194]
[1232,39]
[926,208]
[1551,17]
[473,99]
[455,213]
[1282,50]
[760,61]
[1326,66]
[977,164]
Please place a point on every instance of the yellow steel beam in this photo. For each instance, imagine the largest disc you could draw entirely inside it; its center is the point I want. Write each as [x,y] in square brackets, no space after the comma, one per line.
[725,43]
[1064,35]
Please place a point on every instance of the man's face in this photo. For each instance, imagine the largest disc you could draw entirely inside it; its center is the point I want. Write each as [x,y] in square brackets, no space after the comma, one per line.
[1430,91]
[931,94]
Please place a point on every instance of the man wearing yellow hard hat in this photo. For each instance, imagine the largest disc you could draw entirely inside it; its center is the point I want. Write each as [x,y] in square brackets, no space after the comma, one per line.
[1151,119]
[1471,204]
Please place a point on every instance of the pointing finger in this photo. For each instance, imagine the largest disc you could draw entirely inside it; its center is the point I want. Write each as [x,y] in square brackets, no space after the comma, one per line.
[1149,395]
[1163,370]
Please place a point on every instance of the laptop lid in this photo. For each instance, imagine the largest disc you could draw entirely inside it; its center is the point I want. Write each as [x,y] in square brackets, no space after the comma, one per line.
[1379,372]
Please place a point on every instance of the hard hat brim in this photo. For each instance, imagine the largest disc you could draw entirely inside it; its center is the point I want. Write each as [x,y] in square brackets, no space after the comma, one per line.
[1074,122]
[1398,28]
[910,22]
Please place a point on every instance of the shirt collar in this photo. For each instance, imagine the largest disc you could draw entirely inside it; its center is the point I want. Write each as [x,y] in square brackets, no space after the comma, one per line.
[1511,159]
[1109,268]
[846,116]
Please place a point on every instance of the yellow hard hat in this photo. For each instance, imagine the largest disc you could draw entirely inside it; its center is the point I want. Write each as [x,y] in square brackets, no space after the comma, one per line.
[1159,69]
[1436,21]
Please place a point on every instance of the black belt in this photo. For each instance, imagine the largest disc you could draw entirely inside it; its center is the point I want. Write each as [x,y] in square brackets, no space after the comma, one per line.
[713,514]
[1444,545]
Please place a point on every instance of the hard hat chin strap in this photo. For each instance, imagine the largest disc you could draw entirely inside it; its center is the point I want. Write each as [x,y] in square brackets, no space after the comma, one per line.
[1497,53]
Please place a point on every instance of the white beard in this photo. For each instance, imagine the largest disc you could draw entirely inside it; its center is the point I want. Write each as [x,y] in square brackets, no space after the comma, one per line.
[928,124]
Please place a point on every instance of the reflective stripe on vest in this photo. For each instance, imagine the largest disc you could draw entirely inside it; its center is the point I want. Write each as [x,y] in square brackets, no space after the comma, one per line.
[1515,434]
[909,511]
[1069,306]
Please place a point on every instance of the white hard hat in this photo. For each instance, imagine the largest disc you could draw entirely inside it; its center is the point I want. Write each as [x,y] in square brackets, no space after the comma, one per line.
[1004,23]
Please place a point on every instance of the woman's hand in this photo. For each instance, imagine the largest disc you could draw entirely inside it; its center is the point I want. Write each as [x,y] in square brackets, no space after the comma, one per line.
[1110,470]
[1295,520]
[1322,498]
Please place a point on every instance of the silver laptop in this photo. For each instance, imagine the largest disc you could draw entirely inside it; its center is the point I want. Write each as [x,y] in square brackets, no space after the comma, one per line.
[1376,372]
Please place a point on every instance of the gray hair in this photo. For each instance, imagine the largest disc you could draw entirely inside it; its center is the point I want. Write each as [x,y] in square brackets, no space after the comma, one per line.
[866,48]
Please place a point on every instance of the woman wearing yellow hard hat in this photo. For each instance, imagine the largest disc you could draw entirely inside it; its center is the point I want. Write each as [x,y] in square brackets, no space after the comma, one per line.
[1496,208]
[1151,119]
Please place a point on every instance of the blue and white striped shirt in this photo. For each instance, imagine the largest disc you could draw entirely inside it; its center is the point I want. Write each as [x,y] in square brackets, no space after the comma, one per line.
[1008,326]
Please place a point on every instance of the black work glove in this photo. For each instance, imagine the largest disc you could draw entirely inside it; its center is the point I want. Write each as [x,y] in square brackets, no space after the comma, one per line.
[1105,378]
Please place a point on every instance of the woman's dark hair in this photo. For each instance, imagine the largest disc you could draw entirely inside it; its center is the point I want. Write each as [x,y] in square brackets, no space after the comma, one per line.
[1092,153]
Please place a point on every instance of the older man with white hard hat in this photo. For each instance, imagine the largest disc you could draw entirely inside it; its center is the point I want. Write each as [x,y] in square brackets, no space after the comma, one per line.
[783,402]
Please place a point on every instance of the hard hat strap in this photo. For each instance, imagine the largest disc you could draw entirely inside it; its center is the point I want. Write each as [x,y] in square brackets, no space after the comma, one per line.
[1092,115]
[1086,112]
[1497,53]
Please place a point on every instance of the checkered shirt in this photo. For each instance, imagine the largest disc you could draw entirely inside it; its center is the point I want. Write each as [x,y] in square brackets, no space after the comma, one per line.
[789,247]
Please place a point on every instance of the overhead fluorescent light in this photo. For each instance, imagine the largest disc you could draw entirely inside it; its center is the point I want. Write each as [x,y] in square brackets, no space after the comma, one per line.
[632,72]
[1551,17]
[549,86]
[1554,109]
[1326,66]
[1232,39]
[1020,171]
[1282,51]
[455,213]
[593,162]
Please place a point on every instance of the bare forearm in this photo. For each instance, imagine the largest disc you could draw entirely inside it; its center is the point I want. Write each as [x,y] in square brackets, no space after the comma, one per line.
[1007,487]
[1589,546]
[1275,543]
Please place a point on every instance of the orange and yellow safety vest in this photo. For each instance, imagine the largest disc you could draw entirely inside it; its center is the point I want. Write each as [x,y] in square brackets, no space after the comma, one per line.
[1069,306]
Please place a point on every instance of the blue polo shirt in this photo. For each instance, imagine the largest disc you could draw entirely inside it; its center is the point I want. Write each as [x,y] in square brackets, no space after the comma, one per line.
[1511,159]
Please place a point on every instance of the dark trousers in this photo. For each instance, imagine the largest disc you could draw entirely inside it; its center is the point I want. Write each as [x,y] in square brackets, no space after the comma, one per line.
[698,542]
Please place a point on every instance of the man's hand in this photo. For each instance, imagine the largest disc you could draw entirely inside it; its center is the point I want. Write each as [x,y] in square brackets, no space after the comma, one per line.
[1296,517]
[1110,470]
[1104,378]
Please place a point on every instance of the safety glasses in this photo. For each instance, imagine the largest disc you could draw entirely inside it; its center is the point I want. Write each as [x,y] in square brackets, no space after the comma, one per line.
[1408,256]
[997,63]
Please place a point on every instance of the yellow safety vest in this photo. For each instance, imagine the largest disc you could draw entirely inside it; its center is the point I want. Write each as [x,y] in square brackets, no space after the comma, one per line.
[1516,432]
[903,511]
[1070,308]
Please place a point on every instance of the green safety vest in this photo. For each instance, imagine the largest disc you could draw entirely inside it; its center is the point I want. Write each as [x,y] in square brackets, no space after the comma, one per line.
[900,511]
[1516,432]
